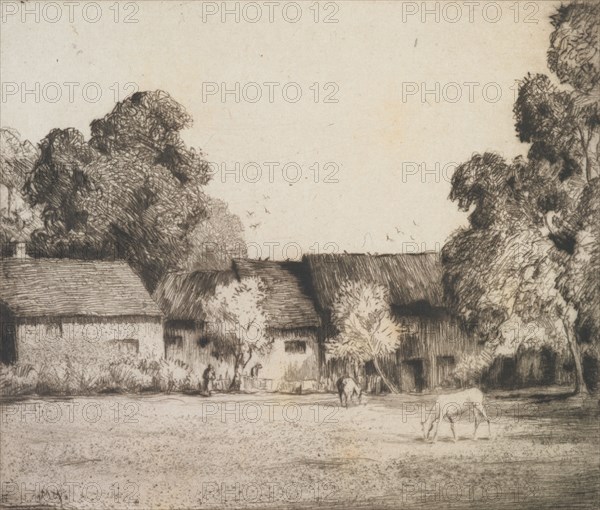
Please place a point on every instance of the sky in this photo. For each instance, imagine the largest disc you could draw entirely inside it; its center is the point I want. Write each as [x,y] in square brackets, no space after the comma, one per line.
[330,127]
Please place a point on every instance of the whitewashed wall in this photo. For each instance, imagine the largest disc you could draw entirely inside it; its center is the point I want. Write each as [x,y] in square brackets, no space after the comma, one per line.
[87,340]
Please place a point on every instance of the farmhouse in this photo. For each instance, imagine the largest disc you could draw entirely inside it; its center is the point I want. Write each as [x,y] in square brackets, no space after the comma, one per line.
[434,341]
[293,322]
[74,310]
[293,360]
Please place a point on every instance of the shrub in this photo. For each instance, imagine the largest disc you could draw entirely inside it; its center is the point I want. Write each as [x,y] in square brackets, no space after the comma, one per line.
[125,376]
[17,379]
[69,377]
[174,376]
[53,379]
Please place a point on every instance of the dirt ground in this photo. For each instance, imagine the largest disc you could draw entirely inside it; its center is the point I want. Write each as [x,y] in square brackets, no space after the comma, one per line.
[283,451]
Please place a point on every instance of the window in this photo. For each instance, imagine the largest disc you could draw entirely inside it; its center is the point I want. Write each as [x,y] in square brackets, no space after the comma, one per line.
[53,331]
[295,346]
[174,340]
[203,341]
[127,346]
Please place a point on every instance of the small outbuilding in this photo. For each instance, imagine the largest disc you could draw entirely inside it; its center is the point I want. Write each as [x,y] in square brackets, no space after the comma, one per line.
[78,310]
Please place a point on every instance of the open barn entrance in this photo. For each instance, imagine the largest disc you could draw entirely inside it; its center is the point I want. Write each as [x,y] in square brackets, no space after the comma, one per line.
[548,366]
[590,372]
[413,375]
[8,348]
[445,368]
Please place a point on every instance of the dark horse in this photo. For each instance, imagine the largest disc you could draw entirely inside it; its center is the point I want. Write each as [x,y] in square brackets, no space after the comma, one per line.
[347,388]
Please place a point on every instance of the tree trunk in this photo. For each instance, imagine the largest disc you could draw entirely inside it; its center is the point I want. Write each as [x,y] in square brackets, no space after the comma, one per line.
[355,371]
[240,364]
[580,388]
[236,382]
[391,386]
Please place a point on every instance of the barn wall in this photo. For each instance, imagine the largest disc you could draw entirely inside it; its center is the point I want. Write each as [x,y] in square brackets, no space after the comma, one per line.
[439,341]
[182,342]
[527,368]
[87,340]
[431,337]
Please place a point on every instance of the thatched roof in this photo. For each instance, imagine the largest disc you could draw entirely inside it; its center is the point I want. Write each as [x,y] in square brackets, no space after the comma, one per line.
[295,289]
[181,295]
[288,302]
[409,278]
[66,287]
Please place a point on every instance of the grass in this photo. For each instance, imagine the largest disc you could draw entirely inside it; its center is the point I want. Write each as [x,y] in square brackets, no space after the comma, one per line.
[276,451]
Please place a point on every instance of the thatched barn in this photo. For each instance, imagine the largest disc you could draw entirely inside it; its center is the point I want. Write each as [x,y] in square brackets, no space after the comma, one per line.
[435,341]
[292,361]
[85,311]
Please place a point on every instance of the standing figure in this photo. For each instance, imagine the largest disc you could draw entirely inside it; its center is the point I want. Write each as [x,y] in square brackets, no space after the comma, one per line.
[254,370]
[208,376]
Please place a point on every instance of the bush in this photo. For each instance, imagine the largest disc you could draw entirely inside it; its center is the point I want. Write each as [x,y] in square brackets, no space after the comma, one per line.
[17,379]
[174,376]
[68,377]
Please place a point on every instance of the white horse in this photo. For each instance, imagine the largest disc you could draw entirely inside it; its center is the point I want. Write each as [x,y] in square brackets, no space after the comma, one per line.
[449,406]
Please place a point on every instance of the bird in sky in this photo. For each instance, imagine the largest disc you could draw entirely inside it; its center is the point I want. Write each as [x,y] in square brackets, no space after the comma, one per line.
[398,231]
[388,238]
[255,226]
[250,213]
[267,211]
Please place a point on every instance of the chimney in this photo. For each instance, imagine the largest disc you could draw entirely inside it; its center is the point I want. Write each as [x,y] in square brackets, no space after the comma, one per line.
[20,250]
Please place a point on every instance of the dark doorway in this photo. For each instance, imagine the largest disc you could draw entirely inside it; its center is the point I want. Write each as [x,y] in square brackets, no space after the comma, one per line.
[590,372]
[8,348]
[445,367]
[502,373]
[548,366]
[508,371]
[416,369]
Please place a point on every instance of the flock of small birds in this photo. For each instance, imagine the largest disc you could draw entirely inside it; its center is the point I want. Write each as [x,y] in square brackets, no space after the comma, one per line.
[388,238]
[250,214]
[400,232]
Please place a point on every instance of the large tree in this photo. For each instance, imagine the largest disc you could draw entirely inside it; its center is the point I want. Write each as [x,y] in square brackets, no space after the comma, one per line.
[217,239]
[367,328]
[133,191]
[530,224]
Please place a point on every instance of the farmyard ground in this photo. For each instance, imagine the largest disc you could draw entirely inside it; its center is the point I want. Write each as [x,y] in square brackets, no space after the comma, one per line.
[282,451]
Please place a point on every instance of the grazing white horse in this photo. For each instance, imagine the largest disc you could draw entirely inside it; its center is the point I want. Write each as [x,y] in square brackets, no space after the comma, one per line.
[450,406]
